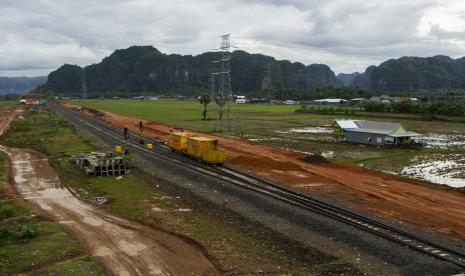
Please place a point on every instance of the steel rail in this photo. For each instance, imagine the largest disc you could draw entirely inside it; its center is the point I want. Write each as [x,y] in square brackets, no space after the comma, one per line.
[279,192]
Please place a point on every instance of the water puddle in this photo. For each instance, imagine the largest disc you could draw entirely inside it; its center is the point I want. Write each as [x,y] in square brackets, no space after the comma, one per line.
[313,130]
[443,141]
[445,170]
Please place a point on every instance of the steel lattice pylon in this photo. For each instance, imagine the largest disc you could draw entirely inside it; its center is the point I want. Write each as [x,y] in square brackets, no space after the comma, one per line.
[223,95]
[267,83]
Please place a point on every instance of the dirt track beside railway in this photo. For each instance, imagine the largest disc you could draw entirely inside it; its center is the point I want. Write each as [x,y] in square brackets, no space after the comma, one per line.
[428,206]
[122,247]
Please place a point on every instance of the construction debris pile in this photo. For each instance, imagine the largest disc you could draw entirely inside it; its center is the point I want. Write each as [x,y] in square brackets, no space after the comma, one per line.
[100,164]
[101,200]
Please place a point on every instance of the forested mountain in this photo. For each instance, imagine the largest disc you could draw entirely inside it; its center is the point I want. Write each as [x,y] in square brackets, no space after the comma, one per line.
[363,81]
[347,78]
[144,69]
[141,69]
[414,73]
[323,75]
[16,85]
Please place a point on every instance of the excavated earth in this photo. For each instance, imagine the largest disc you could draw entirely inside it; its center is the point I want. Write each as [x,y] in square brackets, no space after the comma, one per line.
[122,247]
[424,205]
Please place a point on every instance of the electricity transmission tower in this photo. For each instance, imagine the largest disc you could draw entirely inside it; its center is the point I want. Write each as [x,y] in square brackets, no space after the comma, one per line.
[221,78]
[267,84]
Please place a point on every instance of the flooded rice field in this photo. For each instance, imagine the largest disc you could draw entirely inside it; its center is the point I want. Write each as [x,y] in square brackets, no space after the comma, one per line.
[314,130]
[440,169]
[445,167]
[444,141]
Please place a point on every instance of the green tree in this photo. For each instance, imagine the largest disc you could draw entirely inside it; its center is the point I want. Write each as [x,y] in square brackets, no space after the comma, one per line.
[205,100]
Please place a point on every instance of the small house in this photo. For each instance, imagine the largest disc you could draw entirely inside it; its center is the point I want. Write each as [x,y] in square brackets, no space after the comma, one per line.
[358,100]
[340,127]
[241,100]
[331,101]
[373,133]
[382,99]
[289,102]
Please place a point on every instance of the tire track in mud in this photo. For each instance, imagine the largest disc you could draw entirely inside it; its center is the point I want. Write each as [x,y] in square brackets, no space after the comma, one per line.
[121,246]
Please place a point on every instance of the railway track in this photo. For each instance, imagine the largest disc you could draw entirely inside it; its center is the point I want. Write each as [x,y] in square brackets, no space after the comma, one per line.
[272,189]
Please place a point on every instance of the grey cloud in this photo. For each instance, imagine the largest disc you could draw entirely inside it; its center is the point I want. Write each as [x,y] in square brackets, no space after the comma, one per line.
[347,35]
[441,34]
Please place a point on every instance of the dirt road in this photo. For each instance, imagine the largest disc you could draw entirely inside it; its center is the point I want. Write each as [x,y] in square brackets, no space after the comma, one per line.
[121,246]
[428,206]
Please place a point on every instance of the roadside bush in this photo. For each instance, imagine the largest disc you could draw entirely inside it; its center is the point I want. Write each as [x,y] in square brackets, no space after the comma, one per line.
[27,231]
[376,107]
[127,159]
[4,232]
[6,211]
[431,109]
[404,107]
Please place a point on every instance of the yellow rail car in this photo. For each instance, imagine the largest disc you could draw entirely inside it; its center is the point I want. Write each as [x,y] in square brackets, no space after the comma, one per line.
[177,141]
[201,148]
[205,149]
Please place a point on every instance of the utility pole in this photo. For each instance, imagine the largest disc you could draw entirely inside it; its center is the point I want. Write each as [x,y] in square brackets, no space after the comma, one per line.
[223,95]
[212,85]
[83,84]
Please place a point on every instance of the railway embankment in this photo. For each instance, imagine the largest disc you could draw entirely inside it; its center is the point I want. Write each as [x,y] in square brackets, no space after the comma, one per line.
[421,204]
[282,219]
[231,243]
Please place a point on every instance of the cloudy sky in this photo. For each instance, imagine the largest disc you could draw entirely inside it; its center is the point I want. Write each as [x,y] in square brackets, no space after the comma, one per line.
[37,36]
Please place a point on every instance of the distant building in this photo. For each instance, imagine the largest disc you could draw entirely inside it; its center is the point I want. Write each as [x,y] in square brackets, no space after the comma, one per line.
[31,99]
[385,99]
[359,100]
[330,101]
[373,133]
[241,100]
[289,102]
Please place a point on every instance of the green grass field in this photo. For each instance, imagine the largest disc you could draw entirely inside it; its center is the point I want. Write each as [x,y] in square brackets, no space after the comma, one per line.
[6,102]
[173,112]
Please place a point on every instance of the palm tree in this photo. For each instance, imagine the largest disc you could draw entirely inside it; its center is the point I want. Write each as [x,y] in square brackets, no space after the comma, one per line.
[205,99]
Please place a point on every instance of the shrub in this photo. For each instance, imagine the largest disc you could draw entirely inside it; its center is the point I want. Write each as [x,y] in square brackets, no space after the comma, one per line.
[6,211]
[4,232]
[27,231]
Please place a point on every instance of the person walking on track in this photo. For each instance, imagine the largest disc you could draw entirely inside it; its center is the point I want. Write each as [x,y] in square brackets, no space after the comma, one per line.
[141,127]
